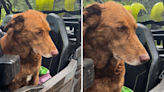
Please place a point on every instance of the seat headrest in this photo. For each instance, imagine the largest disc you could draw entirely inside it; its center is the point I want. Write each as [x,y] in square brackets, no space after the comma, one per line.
[6,20]
[53,23]
[141,35]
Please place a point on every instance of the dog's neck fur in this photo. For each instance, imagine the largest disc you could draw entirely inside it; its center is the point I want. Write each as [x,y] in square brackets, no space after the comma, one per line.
[103,59]
[11,46]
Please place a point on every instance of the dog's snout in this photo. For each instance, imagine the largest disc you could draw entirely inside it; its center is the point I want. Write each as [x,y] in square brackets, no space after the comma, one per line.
[144,58]
[54,52]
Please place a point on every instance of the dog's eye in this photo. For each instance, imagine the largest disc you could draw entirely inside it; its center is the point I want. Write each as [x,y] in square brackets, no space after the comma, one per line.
[39,33]
[120,29]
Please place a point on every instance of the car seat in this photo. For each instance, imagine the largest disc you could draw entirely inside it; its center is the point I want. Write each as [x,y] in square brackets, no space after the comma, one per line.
[59,36]
[143,78]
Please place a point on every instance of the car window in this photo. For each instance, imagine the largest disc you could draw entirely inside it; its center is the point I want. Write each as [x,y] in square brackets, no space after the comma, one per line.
[56,5]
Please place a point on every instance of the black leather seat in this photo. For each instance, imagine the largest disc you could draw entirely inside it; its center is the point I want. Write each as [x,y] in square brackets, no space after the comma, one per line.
[5,21]
[144,77]
[59,36]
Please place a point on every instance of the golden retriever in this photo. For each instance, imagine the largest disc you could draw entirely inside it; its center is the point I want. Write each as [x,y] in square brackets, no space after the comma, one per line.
[110,40]
[28,36]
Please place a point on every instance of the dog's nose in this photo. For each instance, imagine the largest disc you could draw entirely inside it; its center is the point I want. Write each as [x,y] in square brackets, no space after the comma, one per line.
[144,58]
[54,52]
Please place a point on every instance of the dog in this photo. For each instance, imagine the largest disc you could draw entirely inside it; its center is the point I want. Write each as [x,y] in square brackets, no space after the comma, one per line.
[110,40]
[28,36]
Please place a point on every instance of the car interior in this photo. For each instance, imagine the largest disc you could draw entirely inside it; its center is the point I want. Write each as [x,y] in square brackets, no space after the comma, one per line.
[66,43]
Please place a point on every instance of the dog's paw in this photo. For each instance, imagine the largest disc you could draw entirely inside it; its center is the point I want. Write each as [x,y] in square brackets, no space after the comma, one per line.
[120,68]
[13,87]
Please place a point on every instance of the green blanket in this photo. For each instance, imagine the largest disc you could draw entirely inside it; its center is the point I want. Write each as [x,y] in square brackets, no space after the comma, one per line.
[126,89]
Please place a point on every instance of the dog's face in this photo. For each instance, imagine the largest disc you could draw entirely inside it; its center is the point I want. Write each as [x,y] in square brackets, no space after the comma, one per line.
[31,29]
[111,27]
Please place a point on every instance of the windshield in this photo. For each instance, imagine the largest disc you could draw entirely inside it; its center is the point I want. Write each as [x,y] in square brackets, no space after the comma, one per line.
[42,5]
[142,10]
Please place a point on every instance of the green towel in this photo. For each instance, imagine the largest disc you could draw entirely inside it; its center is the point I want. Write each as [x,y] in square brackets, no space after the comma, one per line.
[126,89]
[43,70]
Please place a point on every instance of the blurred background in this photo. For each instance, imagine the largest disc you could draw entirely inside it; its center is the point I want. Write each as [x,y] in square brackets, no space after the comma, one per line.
[40,5]
[142,10]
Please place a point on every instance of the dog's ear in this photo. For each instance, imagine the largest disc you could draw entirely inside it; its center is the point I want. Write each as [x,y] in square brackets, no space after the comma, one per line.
[91,16]
[15,23]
